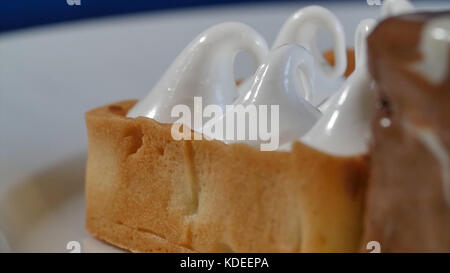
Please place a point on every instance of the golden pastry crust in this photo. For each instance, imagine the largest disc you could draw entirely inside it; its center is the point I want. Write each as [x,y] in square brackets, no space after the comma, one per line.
[147,192]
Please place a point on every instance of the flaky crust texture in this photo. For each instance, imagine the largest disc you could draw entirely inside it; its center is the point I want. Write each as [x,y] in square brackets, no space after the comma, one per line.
[146,192]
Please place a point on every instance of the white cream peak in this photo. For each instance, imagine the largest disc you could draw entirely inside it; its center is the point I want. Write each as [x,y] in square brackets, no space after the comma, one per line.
[204,69]
[301,28]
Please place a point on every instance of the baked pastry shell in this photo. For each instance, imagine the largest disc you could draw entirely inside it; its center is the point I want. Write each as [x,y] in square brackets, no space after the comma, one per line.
[146,192]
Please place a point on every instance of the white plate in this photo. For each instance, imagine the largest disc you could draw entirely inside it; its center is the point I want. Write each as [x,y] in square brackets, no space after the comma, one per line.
[50,76]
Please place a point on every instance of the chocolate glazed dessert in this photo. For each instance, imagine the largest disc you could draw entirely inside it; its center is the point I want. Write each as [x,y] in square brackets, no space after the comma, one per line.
[408,198]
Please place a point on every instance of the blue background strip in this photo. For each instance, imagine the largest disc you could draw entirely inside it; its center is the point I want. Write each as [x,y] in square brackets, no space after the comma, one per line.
[17,14]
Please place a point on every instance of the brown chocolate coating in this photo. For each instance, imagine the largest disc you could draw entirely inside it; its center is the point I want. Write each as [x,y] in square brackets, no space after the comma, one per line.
[406,210]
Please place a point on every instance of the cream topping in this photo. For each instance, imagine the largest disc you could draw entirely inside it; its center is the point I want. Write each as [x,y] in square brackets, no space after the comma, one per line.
[205,69]
[301,28]
[344,128]
[435,47]
[293,77]
[396,7]
[275,83]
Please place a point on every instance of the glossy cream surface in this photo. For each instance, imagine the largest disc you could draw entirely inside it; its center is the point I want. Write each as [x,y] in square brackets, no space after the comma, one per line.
[317,106]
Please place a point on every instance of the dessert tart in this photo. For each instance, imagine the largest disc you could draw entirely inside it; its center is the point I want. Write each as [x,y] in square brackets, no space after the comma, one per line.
[164,175]
[147,192]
